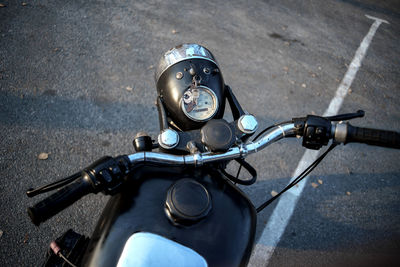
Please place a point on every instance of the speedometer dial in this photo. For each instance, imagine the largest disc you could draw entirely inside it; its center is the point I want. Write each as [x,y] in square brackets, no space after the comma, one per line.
[199,104]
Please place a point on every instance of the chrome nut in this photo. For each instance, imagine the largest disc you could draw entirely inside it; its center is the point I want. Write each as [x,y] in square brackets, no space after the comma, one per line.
[168,139]
[247,124]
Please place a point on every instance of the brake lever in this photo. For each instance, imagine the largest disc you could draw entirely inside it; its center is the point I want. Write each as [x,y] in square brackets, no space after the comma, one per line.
[347,116]
[31,192]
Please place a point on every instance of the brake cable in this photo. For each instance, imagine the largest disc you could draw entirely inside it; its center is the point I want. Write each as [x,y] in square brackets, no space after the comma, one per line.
[248,167]
[236,179]
[269,128]
[306,172]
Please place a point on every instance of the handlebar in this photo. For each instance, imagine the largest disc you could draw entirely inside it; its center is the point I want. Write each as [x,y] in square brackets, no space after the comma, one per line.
[107,173]
[198,159]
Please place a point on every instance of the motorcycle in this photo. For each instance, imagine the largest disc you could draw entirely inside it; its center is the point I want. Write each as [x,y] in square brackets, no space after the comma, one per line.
[175,207]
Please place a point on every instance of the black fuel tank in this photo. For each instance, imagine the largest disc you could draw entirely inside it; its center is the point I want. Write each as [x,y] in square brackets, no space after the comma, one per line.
[224,236]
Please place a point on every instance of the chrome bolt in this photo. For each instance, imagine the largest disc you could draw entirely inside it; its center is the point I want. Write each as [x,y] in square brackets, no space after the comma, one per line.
[168,138]
[247,124]
[179,75]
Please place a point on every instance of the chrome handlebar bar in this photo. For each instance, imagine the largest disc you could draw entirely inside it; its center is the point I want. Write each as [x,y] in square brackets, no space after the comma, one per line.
[198,159]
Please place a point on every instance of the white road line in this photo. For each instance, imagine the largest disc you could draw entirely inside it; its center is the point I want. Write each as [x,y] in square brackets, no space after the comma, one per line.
[280,217]
[344,86]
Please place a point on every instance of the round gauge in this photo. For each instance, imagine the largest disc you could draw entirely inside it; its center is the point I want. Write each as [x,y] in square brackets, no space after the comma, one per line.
[199,104]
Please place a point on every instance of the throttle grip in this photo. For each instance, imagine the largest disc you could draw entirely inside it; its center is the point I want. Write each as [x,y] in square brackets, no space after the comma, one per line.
[373,137]
[60,200]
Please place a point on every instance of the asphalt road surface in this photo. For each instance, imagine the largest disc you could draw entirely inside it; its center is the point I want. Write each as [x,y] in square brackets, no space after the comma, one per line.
[76,82]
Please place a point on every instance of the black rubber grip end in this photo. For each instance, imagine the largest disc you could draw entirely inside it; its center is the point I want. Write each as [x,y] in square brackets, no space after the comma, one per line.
[373,137]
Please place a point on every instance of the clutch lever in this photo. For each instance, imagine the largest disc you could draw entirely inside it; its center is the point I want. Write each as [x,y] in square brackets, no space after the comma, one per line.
[347,116]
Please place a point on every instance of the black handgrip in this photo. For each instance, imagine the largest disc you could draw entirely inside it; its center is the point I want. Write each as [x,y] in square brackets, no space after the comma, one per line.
[60,200]
[373,137]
